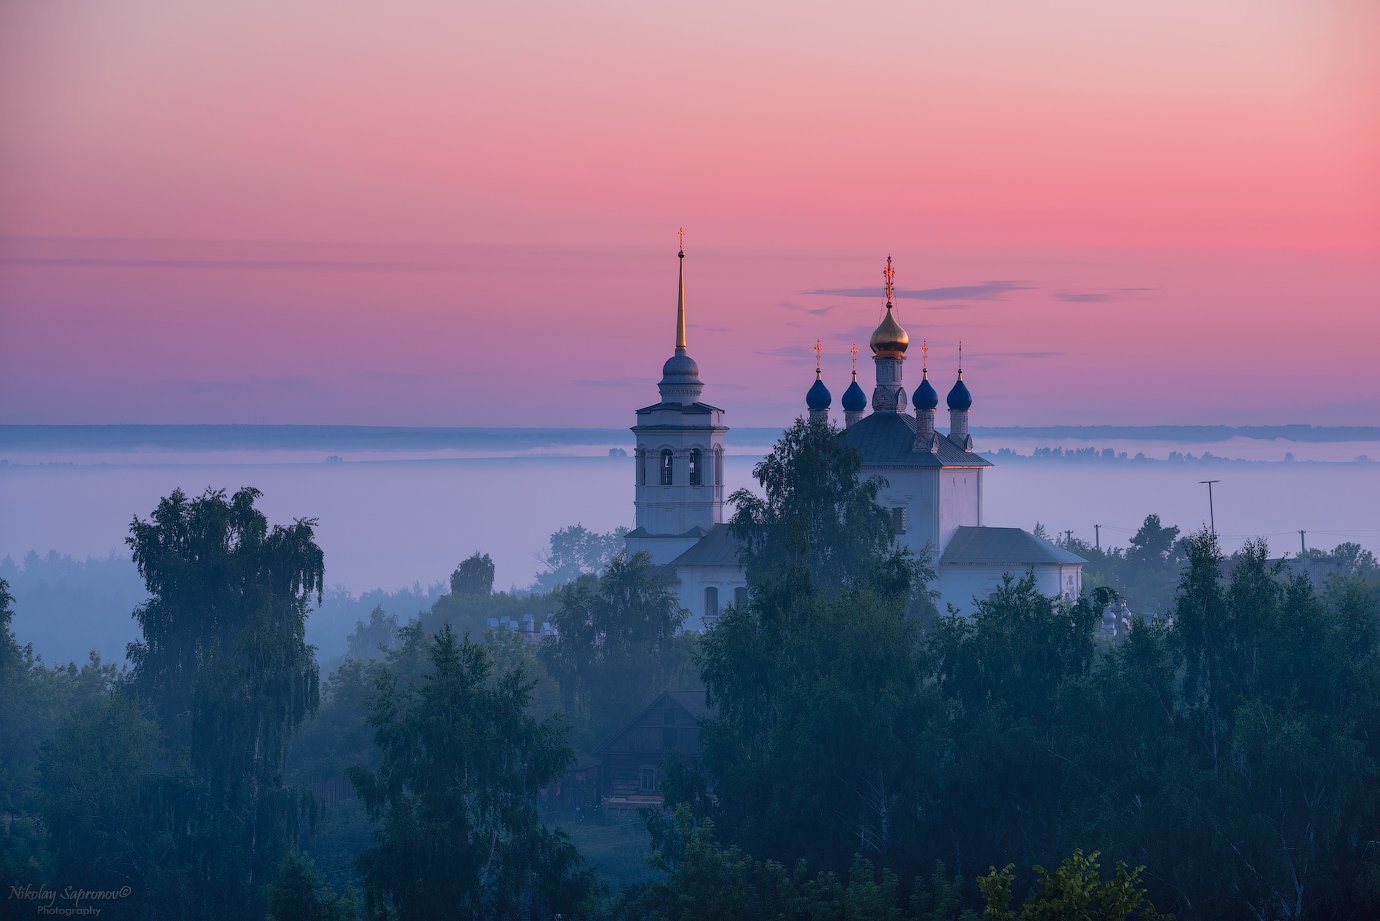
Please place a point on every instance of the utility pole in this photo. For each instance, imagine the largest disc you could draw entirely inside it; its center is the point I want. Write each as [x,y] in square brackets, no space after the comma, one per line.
[1303,544]
[1097,536]
[1212,518]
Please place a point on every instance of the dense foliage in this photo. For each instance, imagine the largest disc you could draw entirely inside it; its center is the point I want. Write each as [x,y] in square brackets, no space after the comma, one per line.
[618,645]
[460,761]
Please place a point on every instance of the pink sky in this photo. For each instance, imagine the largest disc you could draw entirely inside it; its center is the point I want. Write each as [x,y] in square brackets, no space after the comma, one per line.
[439,213]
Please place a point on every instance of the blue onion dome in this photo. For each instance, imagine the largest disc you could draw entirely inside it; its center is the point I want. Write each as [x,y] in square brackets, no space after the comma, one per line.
[959,397]
[818,397]
[680,367]
[854,400]
[925,396]
[889,340]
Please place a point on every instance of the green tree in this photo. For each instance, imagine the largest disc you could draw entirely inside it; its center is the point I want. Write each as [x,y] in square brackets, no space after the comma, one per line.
[1075,891]
[576,551]
[41,706]
[817,524]
[370,640]
[474,576]
[821,712]
[707,881]
[1010,676]
[297,895]
[617,644]
[224,665]
[97,771]
[452,797]
[1356,560]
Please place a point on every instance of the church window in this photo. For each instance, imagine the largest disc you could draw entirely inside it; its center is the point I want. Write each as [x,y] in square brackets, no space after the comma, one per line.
[648,780]
[641,466]
[711,602]
[740,596]
[718,467]
[695,472]
[666,458]
[898,520]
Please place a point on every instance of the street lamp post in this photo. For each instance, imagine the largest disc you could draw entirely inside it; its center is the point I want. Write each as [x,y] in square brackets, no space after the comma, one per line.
[1212,518]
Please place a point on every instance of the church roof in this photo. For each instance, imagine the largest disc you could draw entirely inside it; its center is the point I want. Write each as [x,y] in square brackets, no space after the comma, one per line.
[1004,546]
[887,439]
[692,408]
[717,548]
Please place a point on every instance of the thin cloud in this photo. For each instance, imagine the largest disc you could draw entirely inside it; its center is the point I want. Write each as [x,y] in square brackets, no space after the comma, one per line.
[811,311]
[1094,297]
[240,265]
[989,290]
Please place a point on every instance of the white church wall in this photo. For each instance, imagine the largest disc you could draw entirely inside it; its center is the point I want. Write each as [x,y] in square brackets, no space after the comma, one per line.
[691,591]
[959,585]
[960,500]
[915,489]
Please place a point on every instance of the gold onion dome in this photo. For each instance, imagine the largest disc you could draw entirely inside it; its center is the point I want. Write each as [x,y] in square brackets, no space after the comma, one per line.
[889,340]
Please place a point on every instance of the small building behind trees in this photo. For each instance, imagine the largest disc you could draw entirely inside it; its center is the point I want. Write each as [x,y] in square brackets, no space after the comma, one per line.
[631,771]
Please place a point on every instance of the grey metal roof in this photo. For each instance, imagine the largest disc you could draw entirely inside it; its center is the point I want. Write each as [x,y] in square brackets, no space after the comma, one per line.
[717,548]
[696,531]
[887,439]
[1004,546]
[703,408]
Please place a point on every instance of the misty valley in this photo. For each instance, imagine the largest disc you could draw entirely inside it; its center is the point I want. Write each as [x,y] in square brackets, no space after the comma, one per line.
[1192,735]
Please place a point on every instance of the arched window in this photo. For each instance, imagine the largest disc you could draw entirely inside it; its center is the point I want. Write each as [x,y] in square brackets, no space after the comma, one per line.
[695,468]
[740,596]
[666,457]
[711,602]
[718,466]
[641,466]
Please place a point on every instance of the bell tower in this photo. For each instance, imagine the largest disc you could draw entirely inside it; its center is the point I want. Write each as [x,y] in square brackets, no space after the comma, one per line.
[679,491]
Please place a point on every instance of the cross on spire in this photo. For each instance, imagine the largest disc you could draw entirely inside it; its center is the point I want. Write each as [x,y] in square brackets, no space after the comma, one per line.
[924,354]
[819,350]
[854,350]
[890,275]
[680,297]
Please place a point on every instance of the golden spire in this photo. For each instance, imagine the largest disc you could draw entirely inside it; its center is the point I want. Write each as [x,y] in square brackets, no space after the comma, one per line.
[854,350]
[925,357]
[960,359]
[890,275]
[680,295]
[819,349]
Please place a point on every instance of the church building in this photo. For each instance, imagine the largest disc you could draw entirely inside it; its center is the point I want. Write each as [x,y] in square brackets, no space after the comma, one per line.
[933,480]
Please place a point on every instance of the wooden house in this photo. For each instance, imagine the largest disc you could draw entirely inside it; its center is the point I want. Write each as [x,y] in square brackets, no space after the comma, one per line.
[631,770]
